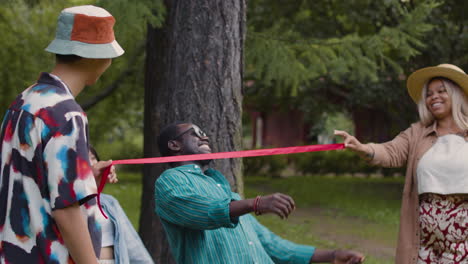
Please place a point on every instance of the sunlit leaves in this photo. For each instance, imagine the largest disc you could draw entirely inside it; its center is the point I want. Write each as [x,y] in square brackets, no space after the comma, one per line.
[288,54]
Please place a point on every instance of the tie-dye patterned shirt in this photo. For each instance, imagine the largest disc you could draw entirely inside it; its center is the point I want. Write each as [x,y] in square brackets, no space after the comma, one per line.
[44,166]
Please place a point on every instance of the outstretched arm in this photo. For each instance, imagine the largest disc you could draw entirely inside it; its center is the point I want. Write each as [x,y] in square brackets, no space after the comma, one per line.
[278,203]
[337,257]
[363,150]
[392,154]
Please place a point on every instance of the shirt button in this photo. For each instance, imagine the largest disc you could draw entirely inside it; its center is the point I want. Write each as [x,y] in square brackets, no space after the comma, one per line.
[219,185]
[250,243]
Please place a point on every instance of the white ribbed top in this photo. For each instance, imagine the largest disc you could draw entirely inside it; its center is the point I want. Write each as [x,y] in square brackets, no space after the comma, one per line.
[107,229]
[443,169]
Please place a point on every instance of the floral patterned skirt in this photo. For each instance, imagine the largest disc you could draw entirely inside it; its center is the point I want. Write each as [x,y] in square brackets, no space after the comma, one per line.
[444,229]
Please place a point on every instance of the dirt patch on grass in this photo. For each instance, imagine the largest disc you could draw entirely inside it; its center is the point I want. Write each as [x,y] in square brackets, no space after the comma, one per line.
[347,231]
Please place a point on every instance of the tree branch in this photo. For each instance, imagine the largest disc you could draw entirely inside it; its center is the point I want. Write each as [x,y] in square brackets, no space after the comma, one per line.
[130,70]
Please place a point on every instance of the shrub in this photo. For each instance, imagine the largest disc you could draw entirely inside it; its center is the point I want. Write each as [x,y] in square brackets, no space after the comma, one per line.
[271,166]
[322,162]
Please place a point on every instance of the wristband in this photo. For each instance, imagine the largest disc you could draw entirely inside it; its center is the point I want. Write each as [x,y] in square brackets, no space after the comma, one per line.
[256,204]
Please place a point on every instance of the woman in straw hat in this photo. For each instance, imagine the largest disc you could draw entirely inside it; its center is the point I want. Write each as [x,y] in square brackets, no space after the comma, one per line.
[434,213]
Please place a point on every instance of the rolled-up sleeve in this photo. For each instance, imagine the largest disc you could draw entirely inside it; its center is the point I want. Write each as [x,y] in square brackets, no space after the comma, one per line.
[281,250]
[179,203]
[393,153]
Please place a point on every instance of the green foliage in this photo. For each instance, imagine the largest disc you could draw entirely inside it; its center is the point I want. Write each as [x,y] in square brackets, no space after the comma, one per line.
[269,166]
[128,192]
[314,163]
[121,147]
[448,41]
[118,119]
[336,55]
[325,125]
[331,162]
[28,26]
[331,39]
[25,34]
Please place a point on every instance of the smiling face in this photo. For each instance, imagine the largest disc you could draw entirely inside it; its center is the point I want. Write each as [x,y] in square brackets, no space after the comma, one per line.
[192,140]
[438,101]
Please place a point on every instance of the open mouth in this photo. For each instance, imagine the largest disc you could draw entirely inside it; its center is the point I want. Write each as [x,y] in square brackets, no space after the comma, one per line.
[436,105]
[205,146]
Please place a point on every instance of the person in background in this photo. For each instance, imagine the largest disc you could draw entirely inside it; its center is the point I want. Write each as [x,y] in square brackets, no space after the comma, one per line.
[45,174]
[120,242]
[434,222]
[206,222]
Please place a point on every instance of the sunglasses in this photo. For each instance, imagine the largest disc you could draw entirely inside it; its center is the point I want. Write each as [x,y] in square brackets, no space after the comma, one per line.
[198,132]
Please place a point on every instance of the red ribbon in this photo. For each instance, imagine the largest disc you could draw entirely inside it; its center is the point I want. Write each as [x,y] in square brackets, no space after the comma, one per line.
[210,156]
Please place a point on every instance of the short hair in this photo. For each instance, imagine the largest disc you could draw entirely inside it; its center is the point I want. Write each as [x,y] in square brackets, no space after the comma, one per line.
[459,103]
[94,152]
[67,59]
[166,134]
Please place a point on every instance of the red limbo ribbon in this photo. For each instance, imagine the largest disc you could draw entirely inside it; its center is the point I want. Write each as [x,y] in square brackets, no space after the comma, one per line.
[219,155]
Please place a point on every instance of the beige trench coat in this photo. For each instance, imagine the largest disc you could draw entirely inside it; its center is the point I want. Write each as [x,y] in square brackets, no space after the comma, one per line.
[407,149]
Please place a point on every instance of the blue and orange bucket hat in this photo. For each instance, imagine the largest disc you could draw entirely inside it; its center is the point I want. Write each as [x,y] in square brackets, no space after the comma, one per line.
[85,31]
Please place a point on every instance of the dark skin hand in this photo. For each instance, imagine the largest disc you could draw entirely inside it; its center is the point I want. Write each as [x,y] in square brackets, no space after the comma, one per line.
[278,203]
[337,257]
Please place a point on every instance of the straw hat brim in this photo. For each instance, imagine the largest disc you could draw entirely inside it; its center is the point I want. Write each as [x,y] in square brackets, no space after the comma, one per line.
[419,78]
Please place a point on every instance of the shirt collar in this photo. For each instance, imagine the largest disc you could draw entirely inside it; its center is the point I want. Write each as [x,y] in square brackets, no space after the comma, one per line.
[432,128]
[429,129]
[197,169]
[49,78]
[190,168]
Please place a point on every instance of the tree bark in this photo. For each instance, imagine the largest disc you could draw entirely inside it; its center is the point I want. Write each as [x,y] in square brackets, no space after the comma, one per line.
[194,69]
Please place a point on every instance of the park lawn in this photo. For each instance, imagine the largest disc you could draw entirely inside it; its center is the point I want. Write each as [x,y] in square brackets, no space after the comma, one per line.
[358,214]
[128,192]
[353,213]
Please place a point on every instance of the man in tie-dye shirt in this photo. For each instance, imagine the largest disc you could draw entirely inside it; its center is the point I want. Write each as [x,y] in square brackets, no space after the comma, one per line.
[47,187]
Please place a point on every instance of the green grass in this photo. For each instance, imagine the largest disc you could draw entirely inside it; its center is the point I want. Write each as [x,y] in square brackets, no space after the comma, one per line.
[374,199]
[128,192]
[302,234]
[371,203]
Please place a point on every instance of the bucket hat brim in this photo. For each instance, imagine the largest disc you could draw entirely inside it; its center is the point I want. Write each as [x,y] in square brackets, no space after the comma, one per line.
[85,50]
[419,78]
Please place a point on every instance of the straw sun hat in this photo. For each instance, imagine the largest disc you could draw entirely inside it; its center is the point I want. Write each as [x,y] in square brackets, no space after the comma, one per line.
[419,78]
[85,31]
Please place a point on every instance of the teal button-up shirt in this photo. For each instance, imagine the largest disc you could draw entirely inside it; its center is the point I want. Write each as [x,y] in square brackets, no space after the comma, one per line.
[194,210]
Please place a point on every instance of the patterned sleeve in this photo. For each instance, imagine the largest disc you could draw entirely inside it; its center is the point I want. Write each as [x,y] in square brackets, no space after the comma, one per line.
[281,250]
[69,173]
[178,202]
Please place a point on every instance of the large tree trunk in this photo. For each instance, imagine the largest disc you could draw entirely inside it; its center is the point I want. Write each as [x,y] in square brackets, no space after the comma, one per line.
[193,73]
